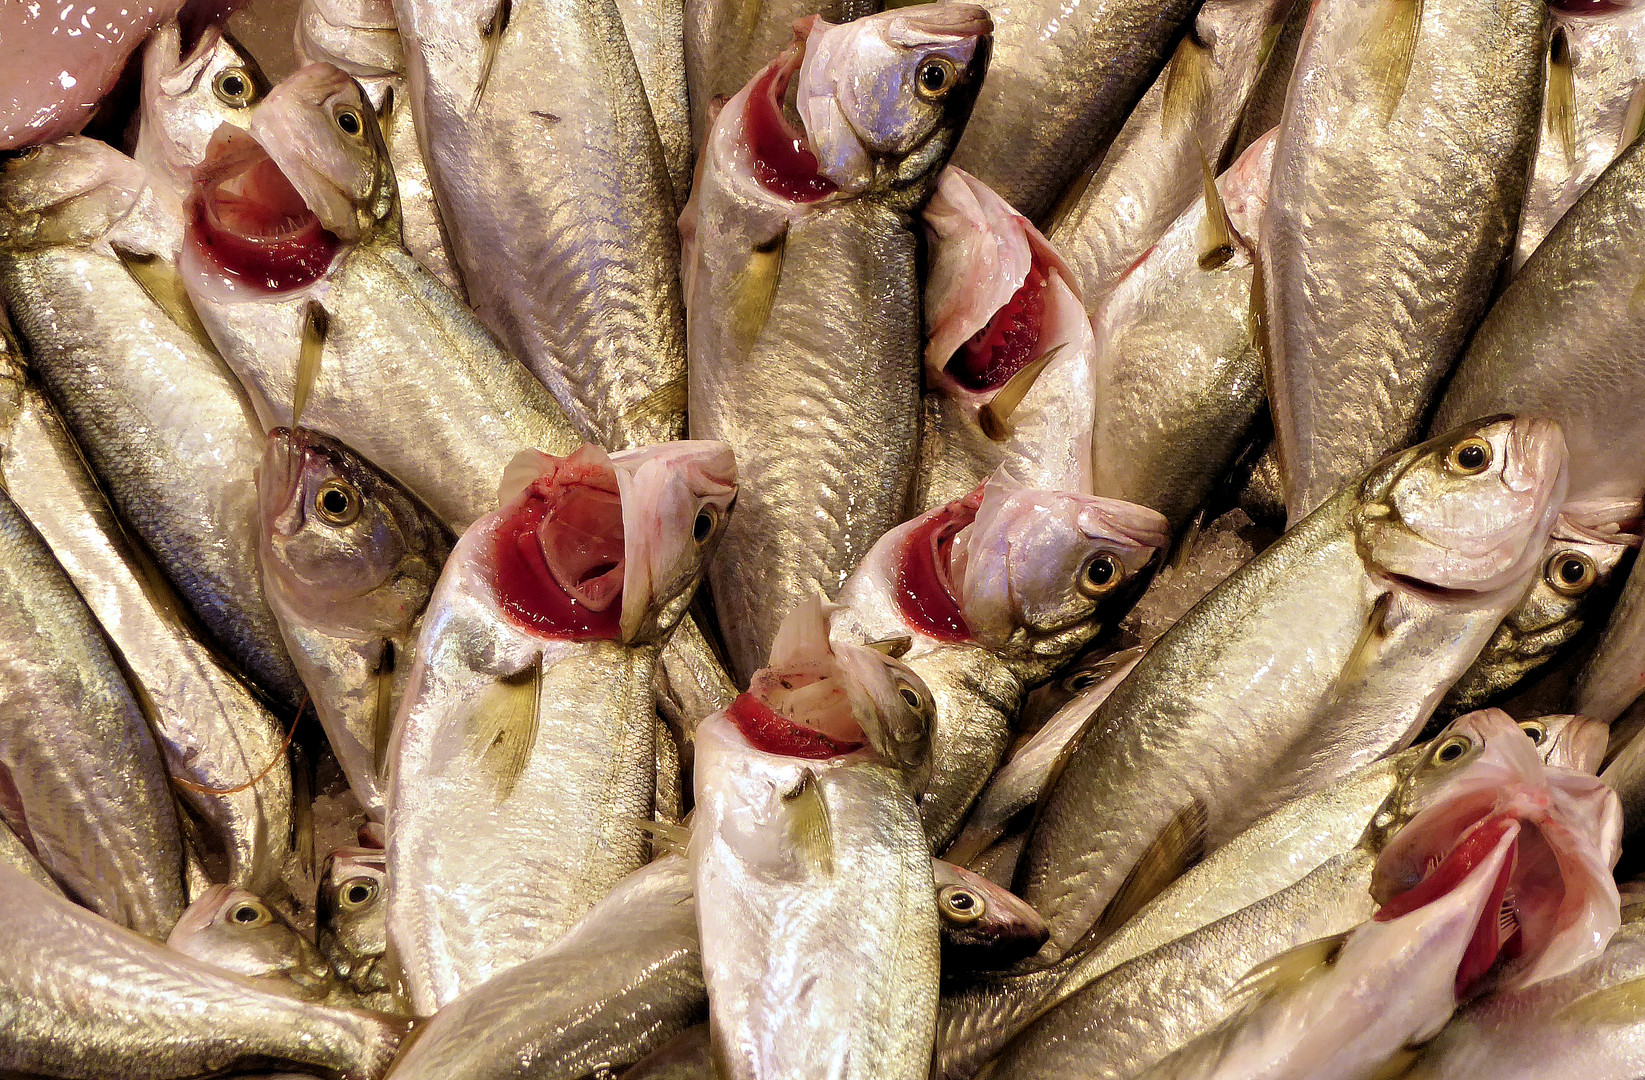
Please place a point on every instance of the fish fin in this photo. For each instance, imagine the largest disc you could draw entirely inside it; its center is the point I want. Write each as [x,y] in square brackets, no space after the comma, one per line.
[1561,94]
[491,37]
[894,647]
[1179,846]
[159,279]
[503,728]
[756,288]
[667,838]
[1633,122]
[1187,84]
[809,830]
[1270,38]
[316,325]
[1281,972]
[382,721]
[302,806]
[1393,42]
[1216,234]
[1623,1003]
[666,403]
[995,416]
[387,106]
[1366,654]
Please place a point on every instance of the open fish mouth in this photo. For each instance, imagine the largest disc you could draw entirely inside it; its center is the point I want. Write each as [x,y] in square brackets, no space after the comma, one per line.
[250,220]
[781,157]
[927,593]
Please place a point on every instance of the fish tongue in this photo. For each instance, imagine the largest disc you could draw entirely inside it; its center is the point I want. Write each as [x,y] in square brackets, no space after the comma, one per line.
[582,542]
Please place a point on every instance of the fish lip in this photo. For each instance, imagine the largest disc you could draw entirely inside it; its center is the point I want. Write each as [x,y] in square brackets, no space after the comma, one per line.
[233,152]
[930,23]
[279,477]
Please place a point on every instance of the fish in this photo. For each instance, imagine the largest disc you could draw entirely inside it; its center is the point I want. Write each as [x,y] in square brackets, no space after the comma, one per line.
[86,249]
[220,741]
[1400,168]
[524,760]
[983,925]
[1008,352]
[82,997]
[551,176]
[656,37]
[349,561]
[1401,578]
[1064,80]
[1110,216]
[15,854]
[800,272]
[83,784]
[993,592]
[293,262]
[1265,104]
[234,929]
[1592,109]
[1178,386]
[805,794]
[362,38]
[186,96]
[687,1056]
[1614,673]
[350,925]
[1489,771]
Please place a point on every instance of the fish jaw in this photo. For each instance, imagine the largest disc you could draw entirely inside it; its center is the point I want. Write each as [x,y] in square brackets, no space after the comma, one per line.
[188,95]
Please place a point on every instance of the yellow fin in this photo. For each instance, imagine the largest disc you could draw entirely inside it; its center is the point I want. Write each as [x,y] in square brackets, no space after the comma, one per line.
[809,830]
[159,279]
[1399,1065]
[382,721]
[667,838]
[756,289]
[503,728]
[1366,655]
[302,805]
[316,325]
[1561,94]
[1187,84]
[1623,1003]
[894,647]
[491,37]
[1270,38]
[995,416]
[1393,42]
[1179,846]
[1216,233]
[1289,968]
[1634,120]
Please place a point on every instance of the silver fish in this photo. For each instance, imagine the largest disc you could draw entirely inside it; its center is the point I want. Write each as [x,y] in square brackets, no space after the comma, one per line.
[233,929]
[86,243]
[349,560]
[804,797]
[656,37]
[1398,176]
[993,592]
[1265,105]
[551,176]
[80,997]
[16,854]
[351,927]
[1064,79]
[1614,674]
[1465,515]
[983,925]
[800,273]
[187,96]
[524,758]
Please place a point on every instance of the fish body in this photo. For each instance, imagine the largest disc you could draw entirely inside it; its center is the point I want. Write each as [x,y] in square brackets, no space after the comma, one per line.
[656,37]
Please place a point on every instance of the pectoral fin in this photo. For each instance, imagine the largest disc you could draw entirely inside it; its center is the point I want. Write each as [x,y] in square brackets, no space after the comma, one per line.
[1392,40]
[995,417]
[1623,1003]
[1562,94]
[503,728]
[382,722]
[809,831]
[491,37]
[159,279]
[1187,84]
[316,325]
[756,289]
[1289,968]
[1179,846]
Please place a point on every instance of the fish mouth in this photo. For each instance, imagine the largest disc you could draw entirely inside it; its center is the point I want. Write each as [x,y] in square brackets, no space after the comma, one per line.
[927,591]
[278,479]
[799,713]
[1008,342]
[560,552]
[779,152]
[250,220]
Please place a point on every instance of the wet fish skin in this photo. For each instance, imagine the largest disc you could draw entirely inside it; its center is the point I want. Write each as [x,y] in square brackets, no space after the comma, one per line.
[350,925]
[75,749]
[1150,174]
[1064,79]
[656,37]
[1611,679]
[348,586]
[817,390]
[215,734]
[1266,103]
[129,382]
[1373,281]
[1337,712]
[550,174]
[186,96]
[82,999]
[233,929]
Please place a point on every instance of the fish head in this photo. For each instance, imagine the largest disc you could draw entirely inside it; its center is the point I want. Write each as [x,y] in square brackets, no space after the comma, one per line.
[230,927]
[1467,511]
[883,99]
[359,36]
[1032,570]
[188,95]
[594,546]
[72,191]
[344,547]
[1569,740]
[984,926]
[820,699]
[351,915]
[1554,902]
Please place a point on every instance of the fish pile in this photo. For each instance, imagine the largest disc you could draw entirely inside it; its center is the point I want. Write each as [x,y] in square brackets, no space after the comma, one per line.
[770,539]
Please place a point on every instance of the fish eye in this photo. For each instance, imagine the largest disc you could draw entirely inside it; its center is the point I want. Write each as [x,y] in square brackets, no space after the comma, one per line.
[337,502]
[250,915]
[1469,457]
[1452,749]
[935,77]
[1535,730]
[348,120]
[356,893]
[960,905]
[1080,682]
[1102,575]
[911,697]
[233,88]
[703,527]
[1571,573]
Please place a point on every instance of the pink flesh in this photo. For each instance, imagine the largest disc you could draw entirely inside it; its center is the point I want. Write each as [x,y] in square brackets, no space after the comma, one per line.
[1010,341]
[925,593]
[770,732]
[558,556]
[250,222]
[781,161]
